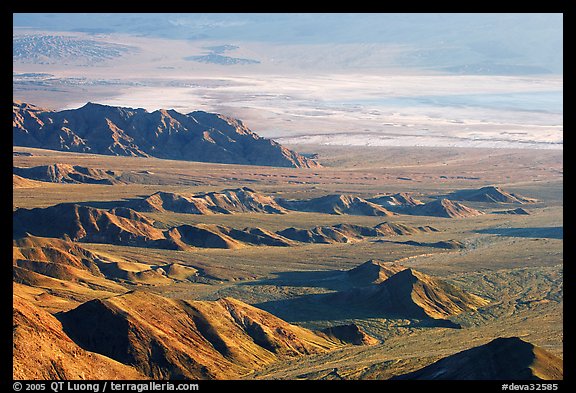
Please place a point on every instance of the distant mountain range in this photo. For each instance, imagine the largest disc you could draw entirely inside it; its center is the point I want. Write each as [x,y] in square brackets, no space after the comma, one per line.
[196,136]
[472,43]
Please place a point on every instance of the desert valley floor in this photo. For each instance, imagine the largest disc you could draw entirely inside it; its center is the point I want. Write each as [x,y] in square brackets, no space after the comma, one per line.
[375,265]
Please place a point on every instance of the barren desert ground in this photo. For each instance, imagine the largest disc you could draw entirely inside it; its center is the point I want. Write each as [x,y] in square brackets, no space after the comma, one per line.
[514,261]
[288,196]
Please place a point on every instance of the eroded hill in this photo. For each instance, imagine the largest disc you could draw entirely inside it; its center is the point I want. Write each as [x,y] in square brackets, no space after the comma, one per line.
[196,136]
[167,338]
[503,359]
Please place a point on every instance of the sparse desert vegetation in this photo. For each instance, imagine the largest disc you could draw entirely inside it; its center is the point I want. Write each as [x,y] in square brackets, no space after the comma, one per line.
[508,267]
[288,196]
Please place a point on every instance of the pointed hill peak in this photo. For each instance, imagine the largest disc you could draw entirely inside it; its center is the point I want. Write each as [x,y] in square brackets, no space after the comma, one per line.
[373,271]
[492,194]
[504,358]
[444,207]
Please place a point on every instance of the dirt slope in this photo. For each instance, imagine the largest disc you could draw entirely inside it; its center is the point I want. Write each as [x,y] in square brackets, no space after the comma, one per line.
[167,338]
[502,359]
[41,350]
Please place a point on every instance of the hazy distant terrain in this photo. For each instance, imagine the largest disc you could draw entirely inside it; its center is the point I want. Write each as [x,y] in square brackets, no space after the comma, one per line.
[487,80]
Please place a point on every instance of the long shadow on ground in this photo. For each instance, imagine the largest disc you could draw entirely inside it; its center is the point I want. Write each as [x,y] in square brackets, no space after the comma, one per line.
[327,279]
[531,232]
[321,307]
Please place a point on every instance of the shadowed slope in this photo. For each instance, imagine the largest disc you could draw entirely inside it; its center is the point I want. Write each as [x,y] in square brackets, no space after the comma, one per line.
[396,202]
[124,226]
[65,173]
[41,350]
[373,272]
[346,233]
[444,208]
[196,136]
[352,334]
[411,294]
[337,204]
[86,224]
[166,338]
[489,194]
[226,201]
[501,359]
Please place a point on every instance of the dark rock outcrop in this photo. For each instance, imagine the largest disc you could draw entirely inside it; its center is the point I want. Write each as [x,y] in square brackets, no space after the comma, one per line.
[102,129]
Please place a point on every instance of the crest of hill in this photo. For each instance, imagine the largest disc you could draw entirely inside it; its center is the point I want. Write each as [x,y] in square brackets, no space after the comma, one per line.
[67,261]
[444,208]
[86,224]
[373,272]
[22,182]
[490,194]
[412,294]
[346,233]
[336,204]
[396,202]
[196,136]
[228,201]
[219,236]
[174,339]
[518,210]
[42,351]
[65,173]
[124,226]
[501,359]
[57,251]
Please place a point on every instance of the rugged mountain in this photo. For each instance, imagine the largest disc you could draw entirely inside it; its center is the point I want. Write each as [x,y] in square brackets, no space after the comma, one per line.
[196,136]
[444,208]
[59,49]
[410,294]
[124,226]
[65,173]
[322,235]
[373,272]
[120,226]
[511,359]
[219,236]
[51,261]
[489,194]
[174,339]
[41,350]
[168,201]
[346,233]
[87,224]
[336,204]
[226,201]
[396,202]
